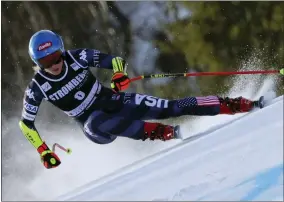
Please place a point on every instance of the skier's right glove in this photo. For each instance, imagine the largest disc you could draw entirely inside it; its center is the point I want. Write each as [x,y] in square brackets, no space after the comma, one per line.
[119,81]
[48,158]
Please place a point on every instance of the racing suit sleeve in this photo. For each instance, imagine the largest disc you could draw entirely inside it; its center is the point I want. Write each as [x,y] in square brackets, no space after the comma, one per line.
[102,60]
[31,102]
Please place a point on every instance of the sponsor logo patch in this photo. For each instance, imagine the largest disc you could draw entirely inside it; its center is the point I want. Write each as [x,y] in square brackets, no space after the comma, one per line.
[96,58]
[30,94]
[30,108]
[46,86]
[151,101]
[44,46]
[83,55]
[68,87]
[75,66]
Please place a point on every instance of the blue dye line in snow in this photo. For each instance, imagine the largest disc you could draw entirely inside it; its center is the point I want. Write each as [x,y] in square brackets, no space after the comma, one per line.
[262,182]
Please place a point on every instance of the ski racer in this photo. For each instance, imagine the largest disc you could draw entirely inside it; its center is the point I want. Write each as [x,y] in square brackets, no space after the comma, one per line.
[64,79]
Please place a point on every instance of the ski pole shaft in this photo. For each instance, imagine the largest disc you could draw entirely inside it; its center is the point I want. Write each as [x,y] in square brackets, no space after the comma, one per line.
[67,150]
[206,74]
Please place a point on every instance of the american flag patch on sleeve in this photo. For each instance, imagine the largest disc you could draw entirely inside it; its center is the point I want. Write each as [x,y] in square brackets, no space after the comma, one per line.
[198,101]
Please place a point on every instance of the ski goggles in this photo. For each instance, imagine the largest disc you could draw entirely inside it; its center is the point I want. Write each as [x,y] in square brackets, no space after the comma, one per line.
[52,59]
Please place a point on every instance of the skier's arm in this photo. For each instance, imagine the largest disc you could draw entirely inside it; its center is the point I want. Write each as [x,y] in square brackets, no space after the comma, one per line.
[95,58]
[32,100]
[119,80]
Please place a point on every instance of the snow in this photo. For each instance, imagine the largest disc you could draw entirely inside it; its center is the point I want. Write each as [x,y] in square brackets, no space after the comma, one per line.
[241,159]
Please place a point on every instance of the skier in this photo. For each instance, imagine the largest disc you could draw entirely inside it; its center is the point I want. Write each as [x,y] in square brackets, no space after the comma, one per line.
[64,79]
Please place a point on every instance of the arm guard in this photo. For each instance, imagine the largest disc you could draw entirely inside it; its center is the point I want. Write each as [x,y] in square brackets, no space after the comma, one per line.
[31,135]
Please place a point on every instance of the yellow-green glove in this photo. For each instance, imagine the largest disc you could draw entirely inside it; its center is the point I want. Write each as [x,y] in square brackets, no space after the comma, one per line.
[119,80]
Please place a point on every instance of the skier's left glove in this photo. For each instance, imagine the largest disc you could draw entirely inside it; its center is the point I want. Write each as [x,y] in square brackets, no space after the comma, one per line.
[119,80]
[48,158]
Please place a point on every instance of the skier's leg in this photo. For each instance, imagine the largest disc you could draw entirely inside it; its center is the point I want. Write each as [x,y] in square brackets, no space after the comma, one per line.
[235,105]
[122,114]
[103,128]
[139,106]
[207,106]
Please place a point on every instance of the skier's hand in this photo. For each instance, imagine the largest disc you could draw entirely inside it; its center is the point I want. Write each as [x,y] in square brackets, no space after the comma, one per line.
[48,158]
[119,81]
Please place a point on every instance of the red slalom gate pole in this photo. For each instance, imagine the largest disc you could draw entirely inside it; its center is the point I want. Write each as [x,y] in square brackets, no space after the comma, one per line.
[206,74]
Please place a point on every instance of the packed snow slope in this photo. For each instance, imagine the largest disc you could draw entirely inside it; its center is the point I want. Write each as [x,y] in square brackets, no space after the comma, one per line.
[238,159]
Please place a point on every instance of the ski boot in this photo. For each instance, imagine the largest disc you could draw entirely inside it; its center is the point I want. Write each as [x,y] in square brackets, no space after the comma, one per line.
[235,105]
[160,131]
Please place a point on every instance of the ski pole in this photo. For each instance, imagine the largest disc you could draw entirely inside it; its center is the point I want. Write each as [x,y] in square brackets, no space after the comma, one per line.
[67,150]
[207,74]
